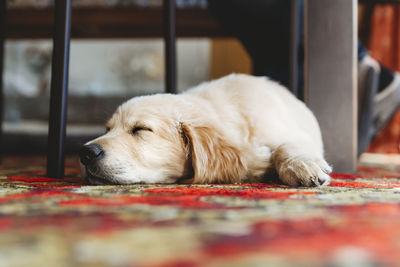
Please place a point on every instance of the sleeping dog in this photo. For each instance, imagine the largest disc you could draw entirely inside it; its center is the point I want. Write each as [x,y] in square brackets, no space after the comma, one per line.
[231,130]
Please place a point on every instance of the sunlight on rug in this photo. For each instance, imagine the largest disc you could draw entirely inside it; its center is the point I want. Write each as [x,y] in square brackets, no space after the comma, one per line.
[353,222]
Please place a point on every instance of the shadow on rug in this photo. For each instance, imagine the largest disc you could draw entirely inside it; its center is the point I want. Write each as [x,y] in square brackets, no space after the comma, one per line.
[353,222]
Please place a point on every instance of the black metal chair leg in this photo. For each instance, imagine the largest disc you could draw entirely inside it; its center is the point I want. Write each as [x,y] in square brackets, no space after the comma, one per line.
[169,23]
[3,11]
[59,89]
[294,46]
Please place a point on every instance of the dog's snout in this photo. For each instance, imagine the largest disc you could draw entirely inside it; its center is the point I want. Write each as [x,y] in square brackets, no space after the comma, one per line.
[90,153]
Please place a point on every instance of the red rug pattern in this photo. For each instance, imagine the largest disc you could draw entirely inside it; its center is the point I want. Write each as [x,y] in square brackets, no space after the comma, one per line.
[353,222]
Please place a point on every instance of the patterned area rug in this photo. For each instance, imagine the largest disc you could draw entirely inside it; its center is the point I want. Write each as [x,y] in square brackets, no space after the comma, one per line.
[48,222]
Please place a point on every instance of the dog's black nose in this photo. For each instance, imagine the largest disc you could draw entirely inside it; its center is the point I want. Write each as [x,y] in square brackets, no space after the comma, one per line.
[89,153]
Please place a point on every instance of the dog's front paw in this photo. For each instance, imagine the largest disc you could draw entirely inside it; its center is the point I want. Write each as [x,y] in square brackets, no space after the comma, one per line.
[304,171]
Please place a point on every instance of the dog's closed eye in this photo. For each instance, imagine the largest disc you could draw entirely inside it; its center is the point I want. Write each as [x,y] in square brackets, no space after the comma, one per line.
[137,129]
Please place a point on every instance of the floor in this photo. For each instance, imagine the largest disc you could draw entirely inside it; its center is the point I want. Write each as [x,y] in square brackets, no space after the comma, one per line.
[48,222]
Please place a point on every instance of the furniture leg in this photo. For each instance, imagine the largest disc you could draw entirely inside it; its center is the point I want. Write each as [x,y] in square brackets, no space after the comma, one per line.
[3,12]
[59,89]
[294,47]
[169,24]
[330,76]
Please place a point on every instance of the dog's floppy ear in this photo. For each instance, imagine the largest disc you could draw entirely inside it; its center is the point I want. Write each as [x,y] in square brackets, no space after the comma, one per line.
[214,159]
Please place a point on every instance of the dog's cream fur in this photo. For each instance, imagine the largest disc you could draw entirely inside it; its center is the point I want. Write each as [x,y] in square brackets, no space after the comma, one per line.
[225,131]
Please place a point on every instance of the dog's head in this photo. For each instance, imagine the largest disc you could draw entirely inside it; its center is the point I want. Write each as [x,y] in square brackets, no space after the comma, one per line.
[160,139]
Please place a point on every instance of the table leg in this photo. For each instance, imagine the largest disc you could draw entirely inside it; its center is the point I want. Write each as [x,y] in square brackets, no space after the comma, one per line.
[330,76]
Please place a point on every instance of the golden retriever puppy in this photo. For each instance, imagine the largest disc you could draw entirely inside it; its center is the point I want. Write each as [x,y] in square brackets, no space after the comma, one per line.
[230,130]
